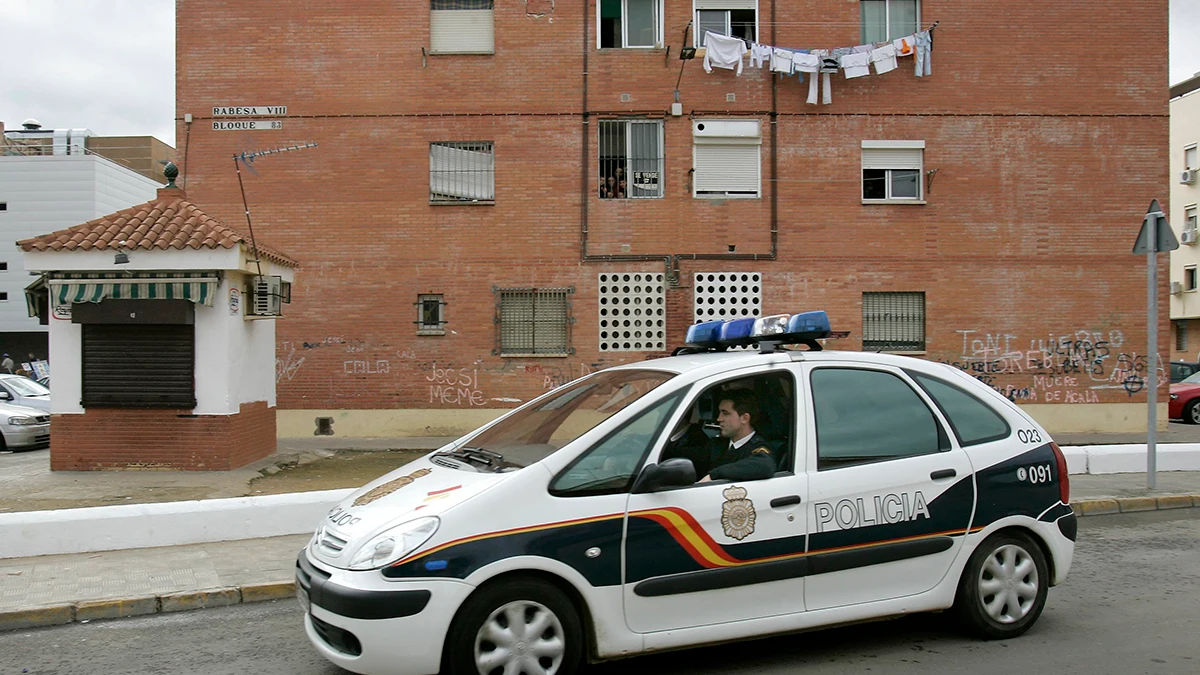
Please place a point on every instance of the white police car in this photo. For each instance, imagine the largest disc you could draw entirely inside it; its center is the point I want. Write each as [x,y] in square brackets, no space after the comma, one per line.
[561,532]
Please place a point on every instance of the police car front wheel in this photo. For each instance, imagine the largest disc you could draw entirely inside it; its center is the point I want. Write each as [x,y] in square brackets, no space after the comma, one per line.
[520,626]
[1003,589]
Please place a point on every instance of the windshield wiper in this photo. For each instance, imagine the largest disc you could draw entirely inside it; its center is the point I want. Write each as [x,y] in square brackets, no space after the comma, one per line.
[492,460]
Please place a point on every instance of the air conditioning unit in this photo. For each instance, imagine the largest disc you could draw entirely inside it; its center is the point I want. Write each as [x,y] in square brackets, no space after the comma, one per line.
[1188,177]
[1189,236]
[266,296]
[1176,288]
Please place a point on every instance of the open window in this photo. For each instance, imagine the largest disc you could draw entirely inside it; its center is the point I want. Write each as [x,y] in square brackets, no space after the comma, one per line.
[735,18]
[630,23]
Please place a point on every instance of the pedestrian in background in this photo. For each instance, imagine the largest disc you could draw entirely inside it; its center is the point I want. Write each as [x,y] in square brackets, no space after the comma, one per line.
[7,364]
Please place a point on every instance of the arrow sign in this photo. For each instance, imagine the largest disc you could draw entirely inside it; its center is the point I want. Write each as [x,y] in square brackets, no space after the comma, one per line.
[1155,221]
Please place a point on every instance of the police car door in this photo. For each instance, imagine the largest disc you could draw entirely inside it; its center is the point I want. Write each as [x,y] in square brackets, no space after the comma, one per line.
[718,551]
[891,495]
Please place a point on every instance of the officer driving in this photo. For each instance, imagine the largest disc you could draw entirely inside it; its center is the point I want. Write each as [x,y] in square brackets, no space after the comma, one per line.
[740,452]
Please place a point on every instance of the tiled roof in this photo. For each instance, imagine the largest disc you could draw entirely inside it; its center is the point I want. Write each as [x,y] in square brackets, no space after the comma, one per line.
[167,222]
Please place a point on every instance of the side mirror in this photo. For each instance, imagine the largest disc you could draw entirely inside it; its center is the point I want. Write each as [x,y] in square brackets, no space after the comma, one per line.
[5,396]
[677,472]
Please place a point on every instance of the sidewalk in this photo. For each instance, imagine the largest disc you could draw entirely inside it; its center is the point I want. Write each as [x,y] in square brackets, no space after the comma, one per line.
[57,589]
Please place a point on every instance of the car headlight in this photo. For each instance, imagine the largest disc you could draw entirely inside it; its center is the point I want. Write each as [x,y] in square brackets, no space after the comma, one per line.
[21,420]
[1174,397]
[393,544]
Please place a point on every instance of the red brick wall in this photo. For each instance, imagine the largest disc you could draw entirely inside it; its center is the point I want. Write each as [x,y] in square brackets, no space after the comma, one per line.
[110,438]
[1046,158]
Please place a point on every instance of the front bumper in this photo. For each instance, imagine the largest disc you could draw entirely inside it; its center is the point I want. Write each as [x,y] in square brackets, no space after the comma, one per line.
[26,436]
[367,624]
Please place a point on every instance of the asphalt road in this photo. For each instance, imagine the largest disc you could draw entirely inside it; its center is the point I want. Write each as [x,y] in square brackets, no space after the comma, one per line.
[1130,605]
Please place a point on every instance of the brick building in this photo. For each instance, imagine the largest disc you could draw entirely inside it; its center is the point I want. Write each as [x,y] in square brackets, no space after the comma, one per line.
[460,252]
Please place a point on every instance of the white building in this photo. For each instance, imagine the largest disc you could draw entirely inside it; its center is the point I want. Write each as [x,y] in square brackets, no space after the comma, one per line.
[1185,196]
[41,193]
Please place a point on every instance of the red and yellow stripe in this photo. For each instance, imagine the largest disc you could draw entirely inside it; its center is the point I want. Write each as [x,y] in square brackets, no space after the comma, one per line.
[505,533]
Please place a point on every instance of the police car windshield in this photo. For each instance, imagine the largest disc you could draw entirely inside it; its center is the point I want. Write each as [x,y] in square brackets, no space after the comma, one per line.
[535,432]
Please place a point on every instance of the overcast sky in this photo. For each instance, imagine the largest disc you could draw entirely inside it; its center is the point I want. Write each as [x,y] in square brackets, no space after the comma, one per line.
[109,65]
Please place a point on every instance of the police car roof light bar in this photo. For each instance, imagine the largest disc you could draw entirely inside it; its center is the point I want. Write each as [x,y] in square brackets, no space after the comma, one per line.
[768,331]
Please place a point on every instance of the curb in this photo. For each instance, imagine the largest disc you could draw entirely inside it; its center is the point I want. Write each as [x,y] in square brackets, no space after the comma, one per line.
[118,608]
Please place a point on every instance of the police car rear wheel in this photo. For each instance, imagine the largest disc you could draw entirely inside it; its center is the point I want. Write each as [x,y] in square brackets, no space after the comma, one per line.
[1003,589]
[523,626]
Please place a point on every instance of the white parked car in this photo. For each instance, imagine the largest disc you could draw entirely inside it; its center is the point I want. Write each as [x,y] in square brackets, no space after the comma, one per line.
[710,496]
[20,390]
[23,428]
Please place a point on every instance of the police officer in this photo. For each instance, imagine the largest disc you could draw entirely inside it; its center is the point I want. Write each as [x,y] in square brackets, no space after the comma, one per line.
[689,441]
[740,452]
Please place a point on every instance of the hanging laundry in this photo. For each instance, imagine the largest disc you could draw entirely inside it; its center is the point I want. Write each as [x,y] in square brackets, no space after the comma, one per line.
[856,65]
[924,46]
[905,46]
[723,51]
[828,65]
[861,49]
[884,59]
[760,55]
[781,61]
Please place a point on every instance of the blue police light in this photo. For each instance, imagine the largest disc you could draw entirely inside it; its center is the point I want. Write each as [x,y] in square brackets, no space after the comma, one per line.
[810,323]
[737,331]
[779,329]
[707,334]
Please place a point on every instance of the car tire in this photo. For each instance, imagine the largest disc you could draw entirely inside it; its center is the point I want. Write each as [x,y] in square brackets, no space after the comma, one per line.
[1002,591]
[1191,412]
[482,634]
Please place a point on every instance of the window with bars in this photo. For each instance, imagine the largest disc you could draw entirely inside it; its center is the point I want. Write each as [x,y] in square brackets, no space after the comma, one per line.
[631,159]
[461,27]
[462,172]
[533,321]
[888,19]
[1181,336]
[894,322]
[431,314]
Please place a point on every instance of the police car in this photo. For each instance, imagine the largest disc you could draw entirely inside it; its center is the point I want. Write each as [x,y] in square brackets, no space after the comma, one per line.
[599,520]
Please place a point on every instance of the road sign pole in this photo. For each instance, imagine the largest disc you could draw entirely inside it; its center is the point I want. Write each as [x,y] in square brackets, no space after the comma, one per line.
[1152,349]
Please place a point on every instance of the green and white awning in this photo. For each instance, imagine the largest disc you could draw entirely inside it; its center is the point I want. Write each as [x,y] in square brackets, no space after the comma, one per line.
[198,287]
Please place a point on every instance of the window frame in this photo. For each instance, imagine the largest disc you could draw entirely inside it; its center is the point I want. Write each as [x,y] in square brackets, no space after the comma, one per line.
[1190,217]
[423,327]
[943,438]
[698,35]
[628,123]
[1189,279]
[924,323]
[659,24]
[463,146]
[568,321]
[889,197]
[701,140]
[1195,150]
[435,51]
[1181,341]
[887,21]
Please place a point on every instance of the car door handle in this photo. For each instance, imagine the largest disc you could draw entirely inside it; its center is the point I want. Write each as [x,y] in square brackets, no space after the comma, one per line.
[780,502]
[944,473]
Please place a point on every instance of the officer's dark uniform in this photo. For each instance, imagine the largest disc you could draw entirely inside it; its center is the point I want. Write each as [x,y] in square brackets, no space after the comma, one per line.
[756,459]
[692,445]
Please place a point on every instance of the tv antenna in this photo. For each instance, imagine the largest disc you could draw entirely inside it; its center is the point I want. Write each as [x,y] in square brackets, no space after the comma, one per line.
[247,158]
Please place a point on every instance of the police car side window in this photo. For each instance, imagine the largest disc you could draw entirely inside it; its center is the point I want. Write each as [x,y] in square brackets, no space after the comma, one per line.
[609,466]
[867,416]
[973,421]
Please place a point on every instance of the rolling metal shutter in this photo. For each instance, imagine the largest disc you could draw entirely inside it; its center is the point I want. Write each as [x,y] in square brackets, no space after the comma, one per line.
[138,366]
[461,31]
[727,170]
[726,4]
[892,158]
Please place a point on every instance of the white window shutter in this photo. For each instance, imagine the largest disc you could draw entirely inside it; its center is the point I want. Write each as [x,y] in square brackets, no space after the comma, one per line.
[892,158]
[461,31]
[727,169]
[726,4]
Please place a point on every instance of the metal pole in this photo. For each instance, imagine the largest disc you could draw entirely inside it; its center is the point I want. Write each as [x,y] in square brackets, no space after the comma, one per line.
[1152,349]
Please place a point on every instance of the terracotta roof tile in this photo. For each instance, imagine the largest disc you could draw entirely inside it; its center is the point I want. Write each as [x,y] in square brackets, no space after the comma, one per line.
[169,222]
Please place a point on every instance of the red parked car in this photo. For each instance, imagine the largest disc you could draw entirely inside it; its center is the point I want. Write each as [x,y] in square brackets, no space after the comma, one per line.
[1185,400]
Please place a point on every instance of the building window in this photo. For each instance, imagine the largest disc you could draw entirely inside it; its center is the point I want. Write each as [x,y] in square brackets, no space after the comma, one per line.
[1189,278]
[138,366]
[3,296]
[461,27]
[431,315]
[735,18]
[727,158]
[1181,340]
[1189,158]
[891,171]
[631,159]
[888,19]
[3,206]
[1189,218]
[3,267]
[462,172]
[534,321]
[894,322]
[630,23]
[632,312]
